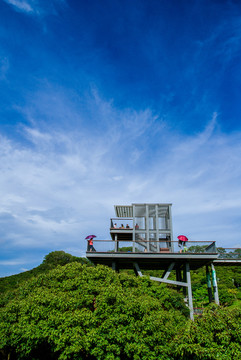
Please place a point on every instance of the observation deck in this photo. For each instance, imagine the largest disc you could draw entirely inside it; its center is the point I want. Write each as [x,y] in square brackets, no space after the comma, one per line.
[142,238]
[143,233]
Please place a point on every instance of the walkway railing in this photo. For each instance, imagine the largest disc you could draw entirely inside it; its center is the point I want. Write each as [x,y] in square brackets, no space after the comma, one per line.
[229,253]
[161,246]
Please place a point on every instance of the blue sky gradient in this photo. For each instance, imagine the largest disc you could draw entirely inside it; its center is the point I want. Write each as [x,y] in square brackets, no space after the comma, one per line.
[116,102]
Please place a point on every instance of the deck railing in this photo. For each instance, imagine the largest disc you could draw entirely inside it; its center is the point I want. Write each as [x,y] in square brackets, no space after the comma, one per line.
[229,253]
[160,246]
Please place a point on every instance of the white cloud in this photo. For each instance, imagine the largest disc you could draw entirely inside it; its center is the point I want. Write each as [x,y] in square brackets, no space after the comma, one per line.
[63,185]
[36,7]
[22,5]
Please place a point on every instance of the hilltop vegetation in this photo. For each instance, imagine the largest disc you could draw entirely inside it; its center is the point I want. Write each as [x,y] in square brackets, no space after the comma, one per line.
[77,311]
[50,262]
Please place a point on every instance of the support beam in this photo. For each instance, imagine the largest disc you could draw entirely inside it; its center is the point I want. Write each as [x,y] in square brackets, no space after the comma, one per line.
[215,285]
[185,284]
[137,269]
[134,230]
[173,282]
[189,288]
[167,273]
[178,275]
[116,244]
[185,280]
[147,228]
[114,266]
[210,297]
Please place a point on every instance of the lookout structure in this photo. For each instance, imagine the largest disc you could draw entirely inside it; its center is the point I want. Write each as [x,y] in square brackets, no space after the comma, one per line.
[142,238]
[147,226]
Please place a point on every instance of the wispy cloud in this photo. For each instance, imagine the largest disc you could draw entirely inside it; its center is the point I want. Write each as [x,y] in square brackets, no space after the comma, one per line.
[22,5]
[36,7]
[63,185]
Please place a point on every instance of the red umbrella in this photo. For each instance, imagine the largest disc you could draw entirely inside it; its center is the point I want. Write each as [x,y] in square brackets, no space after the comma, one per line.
[90,236]
[182,238]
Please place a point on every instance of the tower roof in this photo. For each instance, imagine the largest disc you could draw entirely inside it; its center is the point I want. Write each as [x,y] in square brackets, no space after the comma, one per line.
[126,211]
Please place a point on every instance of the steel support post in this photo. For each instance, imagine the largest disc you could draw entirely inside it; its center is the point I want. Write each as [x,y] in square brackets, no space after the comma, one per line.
[147,228]
[157,228]
[134,230]
[137,269]
[178,275]
[114,266]
[184,280]
[210,297]
[215,285]
[189,288]
[116,243]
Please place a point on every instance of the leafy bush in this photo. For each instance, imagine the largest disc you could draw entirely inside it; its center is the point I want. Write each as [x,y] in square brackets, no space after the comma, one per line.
[81,312]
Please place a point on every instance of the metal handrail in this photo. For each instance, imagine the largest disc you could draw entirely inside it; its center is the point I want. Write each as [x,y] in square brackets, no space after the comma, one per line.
[163,245]
[164,240]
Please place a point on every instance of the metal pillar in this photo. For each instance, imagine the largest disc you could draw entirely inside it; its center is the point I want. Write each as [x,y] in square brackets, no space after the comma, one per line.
[137,269]
[115,266]
[210,297]
[184,279]
[189,288]
[186,284]
[168,272]
[170,226]
[147,228]
[134,229]
[178,275]
[157,228]
[116,243]
[215,285]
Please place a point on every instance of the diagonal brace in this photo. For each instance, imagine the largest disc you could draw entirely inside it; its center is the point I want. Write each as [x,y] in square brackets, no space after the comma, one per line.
[137,269]
[168,271]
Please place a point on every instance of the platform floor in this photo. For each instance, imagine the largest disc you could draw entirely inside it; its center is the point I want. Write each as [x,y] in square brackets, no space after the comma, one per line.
[151,261]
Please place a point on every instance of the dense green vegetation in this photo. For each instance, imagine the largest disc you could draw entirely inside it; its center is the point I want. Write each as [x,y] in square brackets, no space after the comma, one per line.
[68,309]
[50,261]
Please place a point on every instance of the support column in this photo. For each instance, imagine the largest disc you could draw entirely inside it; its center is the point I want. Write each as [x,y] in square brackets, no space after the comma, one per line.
[210,297]
[115,266]
[137,269]
[116,243]
[184,279]
[147,228]
[215,285]
[168,271]
[189,288]
[134,229]
[157,228]
[178,275]
[170,226]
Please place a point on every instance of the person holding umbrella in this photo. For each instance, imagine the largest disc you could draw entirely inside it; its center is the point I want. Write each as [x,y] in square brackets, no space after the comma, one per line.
[182,241]
[90,242]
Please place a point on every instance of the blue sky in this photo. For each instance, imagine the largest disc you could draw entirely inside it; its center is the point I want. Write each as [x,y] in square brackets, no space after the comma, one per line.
[116,102]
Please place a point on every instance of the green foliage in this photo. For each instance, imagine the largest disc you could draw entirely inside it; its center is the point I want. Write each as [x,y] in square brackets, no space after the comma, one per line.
[215,336]
[229,289]
[81,312]
[61,258]
[50,261]
[71,310]
[197,248]
[236,254]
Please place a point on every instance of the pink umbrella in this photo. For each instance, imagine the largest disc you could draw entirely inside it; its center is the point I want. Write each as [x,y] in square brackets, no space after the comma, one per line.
[90,236]
[182,238]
